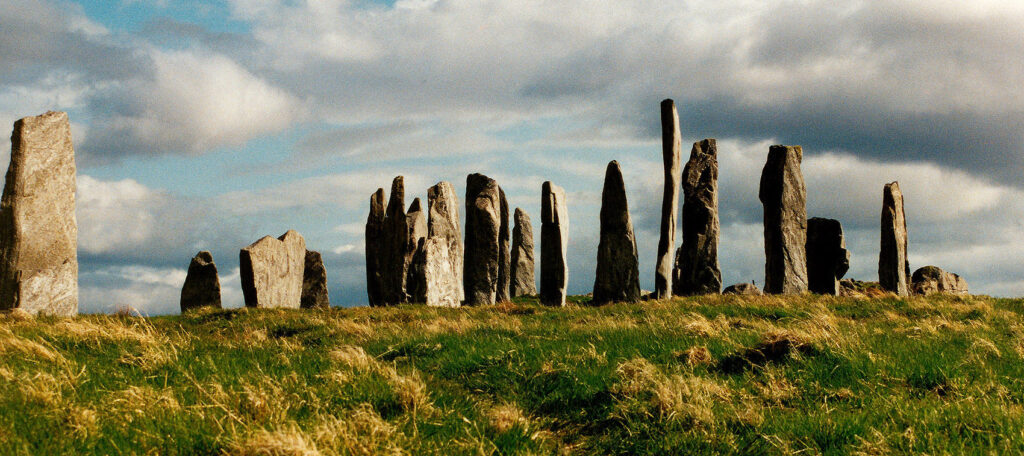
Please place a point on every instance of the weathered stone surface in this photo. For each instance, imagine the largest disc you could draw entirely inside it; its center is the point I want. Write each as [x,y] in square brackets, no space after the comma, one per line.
[893,266]
[395,255]
[671,145]
[554,243]
[504,256]
[374,249]
[314,283]
[748,289]
[441,285]
[522,281]
[827,257]
[697,260]
[483,225]
[931,279]
[443,223]
[415,255]
[272,271]
[202,286]
[618,276]
[38,229]
[784,197]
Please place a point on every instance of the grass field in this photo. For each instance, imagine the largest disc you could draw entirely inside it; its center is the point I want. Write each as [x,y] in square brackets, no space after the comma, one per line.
[706,375]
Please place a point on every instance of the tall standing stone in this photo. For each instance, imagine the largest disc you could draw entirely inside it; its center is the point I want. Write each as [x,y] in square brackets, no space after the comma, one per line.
[522,280]
[483,226]
[202,286]
[504,256]
[314,283]
[671,144]
[554,243]
[784,198]
[697,260]
[272,270]
[443,223]
[618,276]
[415,255]
[374,251]
[394,245]
[893,266]
[38,229]
[827,257]
[441,286]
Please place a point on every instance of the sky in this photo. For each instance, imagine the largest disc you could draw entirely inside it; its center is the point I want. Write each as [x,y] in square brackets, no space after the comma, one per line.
[205,125]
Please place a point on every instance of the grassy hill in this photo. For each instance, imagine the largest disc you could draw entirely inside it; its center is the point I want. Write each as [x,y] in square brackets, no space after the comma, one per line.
[722,374]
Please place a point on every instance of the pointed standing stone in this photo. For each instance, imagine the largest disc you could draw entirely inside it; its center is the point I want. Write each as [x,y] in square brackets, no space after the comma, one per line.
[554,243]
[670,151]
[415,256]
[272,270]
[504,256]
[522,281]
[483,225]
[827,257]
[443,223]
[314,283]
[38,229]
[893,266]
[618,276]
[698,258]
[394,260]
[784,198]
[374,243]
[202,286]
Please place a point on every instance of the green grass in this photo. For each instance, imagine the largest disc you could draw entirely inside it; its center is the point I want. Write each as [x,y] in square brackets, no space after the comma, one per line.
[704,375]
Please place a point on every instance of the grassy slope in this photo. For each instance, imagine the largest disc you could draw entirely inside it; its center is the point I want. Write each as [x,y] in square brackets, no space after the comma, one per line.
[833,376]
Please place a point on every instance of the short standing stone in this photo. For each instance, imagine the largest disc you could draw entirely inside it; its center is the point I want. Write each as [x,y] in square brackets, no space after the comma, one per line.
[747,289]
[618,277]
[931,279]
[202,286]
[38,229]
[374,240]
[522,281]
[395,257]
[443,223]
[416,282]
[893,266]
[504,255]
[671,145]
[554,243]
[483,225]
[314,283]
[698,258]
[441,285]
[272,271]
[827,257]
[784,198]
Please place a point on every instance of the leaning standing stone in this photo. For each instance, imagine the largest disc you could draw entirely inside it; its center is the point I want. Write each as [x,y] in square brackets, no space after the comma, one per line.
[698,258]
[38,229]
[483,224]
[554,243]
[522,281]
[618,277]
[893,266]
[504,256]
[314,283]
[374,240]
[272,271]
[671,144]
[443,223]
[784,197]
[395,258]
[202,286]
[827,257]
[416,282]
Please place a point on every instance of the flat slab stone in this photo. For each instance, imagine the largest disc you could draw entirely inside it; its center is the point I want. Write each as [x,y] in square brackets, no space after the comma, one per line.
[618,277]
[671,149]
[483,226]
[202,285]
[747,289]
[893,266]
[374,249]
[272,271]
[697,260]
[314,283]
[443,223]
[784,196]
[554,243]
[522,281]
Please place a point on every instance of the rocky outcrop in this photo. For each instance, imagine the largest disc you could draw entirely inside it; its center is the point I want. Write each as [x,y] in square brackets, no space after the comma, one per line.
[931,279]
[272,271]
[38,229]
[697,260]
[395,255]
[314,283]
[618,277]
[483,225]
[827,257]
[374,249]
[554,243]
[893,266]
[441,285]
[202,286]
[671,145]
[443,223]
[415,255]
[522,281]
[504,255]
[747,289]
[783,195]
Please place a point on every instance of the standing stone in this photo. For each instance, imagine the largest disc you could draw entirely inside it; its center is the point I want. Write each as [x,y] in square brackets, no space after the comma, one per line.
[38,230]
[374,241]
[504,256]
[697,260]
[931,279]
[618,276]
[202,286]
[554,243]
[272,271]
[441,285]
[314,283]
[394,260]
[443,223]
[483,225]
[785,221]
[671,143]
[415,256]
[893,266]
[522,281]
[827,257]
